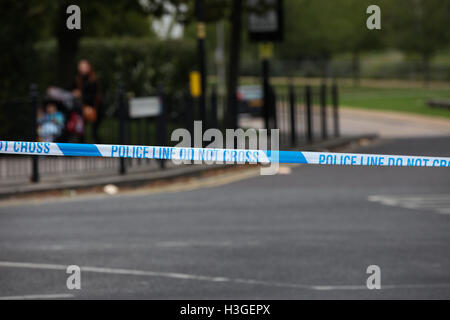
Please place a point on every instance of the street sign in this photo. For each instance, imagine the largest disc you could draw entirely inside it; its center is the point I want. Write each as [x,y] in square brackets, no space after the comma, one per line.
[265,50]
[145,107]
[265,20]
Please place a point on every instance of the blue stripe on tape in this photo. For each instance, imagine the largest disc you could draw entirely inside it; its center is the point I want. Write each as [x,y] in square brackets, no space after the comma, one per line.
[286,156]
[78,149]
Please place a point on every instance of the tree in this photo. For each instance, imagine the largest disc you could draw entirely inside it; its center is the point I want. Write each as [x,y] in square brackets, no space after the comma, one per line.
[17,35]
[98,19]
[319,29]
[418,27]
[216,10]
[17,68]
[355,37]
[312,30]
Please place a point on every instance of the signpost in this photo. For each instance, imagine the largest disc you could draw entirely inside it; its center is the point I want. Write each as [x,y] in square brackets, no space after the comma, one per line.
[265,25]
[201,35]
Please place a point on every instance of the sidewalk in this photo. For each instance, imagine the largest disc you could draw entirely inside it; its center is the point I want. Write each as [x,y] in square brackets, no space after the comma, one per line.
[354,121]
[387,124]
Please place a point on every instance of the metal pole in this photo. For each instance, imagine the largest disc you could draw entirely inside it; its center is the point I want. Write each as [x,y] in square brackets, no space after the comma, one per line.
[292,115]
[201,34]
[221,72]
[273,107]
[323,110]
[34,135]
[308,103]
[189,115]
[162,124]
[122,120]
[335,98]
[266,106]
[214,108]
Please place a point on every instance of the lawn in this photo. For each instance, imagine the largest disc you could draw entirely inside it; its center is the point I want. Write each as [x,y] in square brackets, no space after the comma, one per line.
[400,96]
[413,100]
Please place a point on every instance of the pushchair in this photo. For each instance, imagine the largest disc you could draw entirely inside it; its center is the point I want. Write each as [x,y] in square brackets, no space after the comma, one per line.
[73,130]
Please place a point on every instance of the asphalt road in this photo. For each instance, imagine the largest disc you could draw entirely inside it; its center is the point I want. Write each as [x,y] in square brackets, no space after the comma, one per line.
[310,234]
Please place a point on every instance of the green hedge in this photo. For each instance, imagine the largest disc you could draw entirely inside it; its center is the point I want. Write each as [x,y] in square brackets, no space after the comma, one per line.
[142,64]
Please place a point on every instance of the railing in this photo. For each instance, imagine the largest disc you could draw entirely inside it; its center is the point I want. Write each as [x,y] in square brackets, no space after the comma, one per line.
[306,115]
[303,114]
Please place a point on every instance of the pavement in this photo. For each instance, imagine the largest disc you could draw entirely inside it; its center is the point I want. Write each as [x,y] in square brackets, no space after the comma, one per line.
[308,233]
[363,82]
[392,124]
[384,124]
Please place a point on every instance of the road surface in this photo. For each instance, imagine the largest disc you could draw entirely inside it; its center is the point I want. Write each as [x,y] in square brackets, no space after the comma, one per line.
[310,233]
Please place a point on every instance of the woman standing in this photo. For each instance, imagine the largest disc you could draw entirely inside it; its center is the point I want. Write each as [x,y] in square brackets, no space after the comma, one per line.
[86,89]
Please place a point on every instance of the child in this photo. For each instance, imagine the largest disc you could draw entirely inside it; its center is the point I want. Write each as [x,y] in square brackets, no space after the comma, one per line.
[51,123]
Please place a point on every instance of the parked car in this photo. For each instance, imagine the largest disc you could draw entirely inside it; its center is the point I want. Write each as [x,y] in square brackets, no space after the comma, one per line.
[250,98]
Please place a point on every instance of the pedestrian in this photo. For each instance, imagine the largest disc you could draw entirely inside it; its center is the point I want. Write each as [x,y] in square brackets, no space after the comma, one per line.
[87,90]
[50,123]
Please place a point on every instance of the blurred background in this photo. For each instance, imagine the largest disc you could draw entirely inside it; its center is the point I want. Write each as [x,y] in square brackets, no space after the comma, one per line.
[206,62]
[138,69]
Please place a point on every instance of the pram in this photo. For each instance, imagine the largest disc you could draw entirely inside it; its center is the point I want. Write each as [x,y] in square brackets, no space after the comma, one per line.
[70,106]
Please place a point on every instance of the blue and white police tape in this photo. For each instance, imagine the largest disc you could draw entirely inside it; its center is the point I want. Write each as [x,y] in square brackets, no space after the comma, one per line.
[217,155]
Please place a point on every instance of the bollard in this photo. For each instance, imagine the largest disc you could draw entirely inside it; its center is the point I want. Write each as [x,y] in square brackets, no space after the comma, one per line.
[308,116]
[335,98]
[122,123]
[34,133]
[292,115]
[323,111]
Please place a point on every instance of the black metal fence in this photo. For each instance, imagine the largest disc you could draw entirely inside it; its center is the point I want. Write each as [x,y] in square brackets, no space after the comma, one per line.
[307,114]
[303,115]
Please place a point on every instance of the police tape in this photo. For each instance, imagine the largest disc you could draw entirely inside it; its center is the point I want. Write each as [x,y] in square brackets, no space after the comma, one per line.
[211,155]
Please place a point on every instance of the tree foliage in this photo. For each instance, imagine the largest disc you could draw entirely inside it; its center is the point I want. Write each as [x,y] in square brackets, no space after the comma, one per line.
[419,27]
[323,28]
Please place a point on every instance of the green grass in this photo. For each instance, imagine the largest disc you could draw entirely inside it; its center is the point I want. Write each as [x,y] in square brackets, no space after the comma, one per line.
[412,100]
[399,99]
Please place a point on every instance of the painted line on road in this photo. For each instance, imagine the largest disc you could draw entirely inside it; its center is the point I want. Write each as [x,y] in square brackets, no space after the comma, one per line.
[439,203]
[184,276]
[39,296]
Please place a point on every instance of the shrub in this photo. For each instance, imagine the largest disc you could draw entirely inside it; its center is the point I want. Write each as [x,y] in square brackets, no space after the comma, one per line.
[141,63]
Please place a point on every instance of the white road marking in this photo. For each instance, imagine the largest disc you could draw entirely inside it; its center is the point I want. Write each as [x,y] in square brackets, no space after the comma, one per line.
[186,244]
[76,246]
[184,276]
[39,296]
[438,203]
